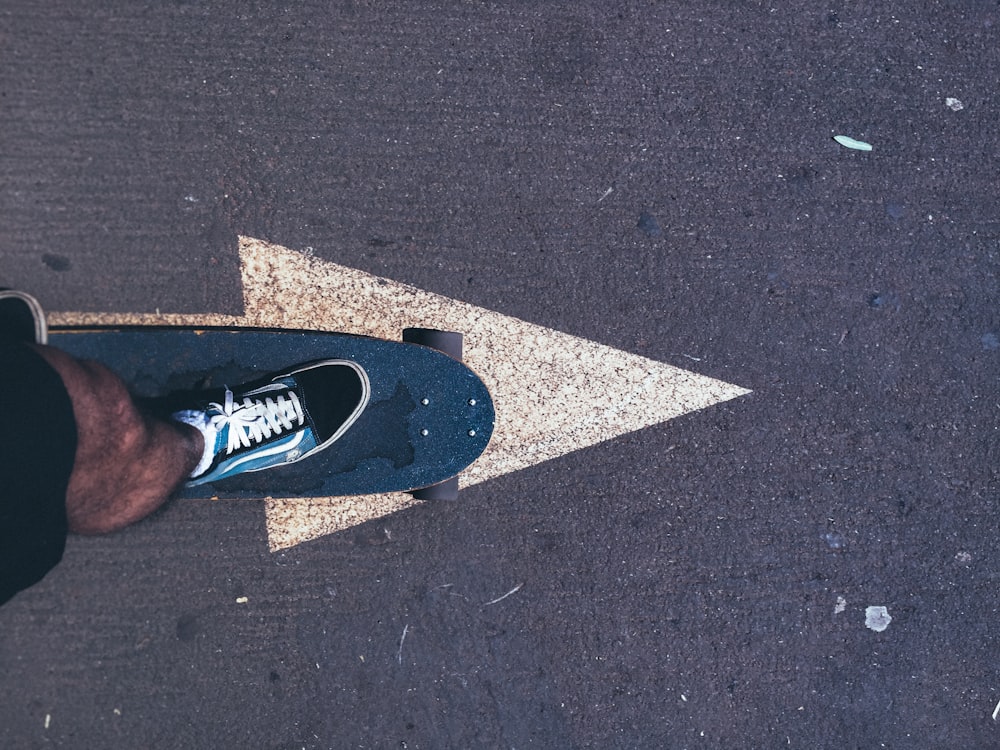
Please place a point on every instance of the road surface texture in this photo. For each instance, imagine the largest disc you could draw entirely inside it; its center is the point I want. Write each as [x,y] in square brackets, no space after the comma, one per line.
[660,178]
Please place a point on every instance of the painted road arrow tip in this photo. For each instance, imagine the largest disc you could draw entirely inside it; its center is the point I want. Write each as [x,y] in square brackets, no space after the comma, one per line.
[554,393]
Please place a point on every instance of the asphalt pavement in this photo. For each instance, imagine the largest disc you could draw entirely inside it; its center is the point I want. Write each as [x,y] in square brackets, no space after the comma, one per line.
[813,564]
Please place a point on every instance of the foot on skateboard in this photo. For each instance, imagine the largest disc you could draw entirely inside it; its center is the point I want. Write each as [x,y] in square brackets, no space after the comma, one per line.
[428,418]
[278,420]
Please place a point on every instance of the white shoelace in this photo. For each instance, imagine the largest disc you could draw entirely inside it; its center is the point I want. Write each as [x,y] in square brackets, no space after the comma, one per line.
[253,420]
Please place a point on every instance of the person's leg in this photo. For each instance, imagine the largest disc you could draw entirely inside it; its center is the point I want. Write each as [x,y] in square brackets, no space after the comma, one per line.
[127,462]
[37,450]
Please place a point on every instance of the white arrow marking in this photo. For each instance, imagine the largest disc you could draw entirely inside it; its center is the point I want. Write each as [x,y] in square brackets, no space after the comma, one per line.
[554,393]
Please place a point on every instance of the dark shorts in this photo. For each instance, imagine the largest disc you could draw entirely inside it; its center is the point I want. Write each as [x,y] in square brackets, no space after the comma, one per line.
[37,447]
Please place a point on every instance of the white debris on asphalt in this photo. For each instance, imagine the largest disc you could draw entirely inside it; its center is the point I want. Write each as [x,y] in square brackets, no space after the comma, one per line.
[877,618]
[848,142]
[840,606]
[954,104]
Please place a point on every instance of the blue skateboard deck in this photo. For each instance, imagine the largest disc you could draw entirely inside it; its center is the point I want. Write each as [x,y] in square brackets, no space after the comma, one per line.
[429,416]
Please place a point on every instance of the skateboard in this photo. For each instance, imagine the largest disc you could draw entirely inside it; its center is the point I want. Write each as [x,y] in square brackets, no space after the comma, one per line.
[429,416]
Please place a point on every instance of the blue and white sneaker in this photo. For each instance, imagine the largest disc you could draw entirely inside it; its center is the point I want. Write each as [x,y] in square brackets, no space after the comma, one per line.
[276,421]
[21,318]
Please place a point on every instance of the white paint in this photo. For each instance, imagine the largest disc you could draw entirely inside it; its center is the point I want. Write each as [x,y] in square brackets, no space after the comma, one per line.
[877,618]
[554,393]
[847,142]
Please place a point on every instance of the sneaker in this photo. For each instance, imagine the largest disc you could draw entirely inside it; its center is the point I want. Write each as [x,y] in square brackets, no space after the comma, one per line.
[280,420]
[21,318]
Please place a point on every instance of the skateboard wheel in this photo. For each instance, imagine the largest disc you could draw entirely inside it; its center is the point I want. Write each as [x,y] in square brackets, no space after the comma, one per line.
[448,342]
[446,490]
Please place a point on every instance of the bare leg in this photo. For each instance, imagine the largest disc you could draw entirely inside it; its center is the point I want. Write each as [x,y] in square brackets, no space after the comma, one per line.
[127,463]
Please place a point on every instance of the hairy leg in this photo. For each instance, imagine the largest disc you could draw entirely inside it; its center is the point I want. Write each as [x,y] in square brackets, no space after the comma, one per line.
[127,463]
